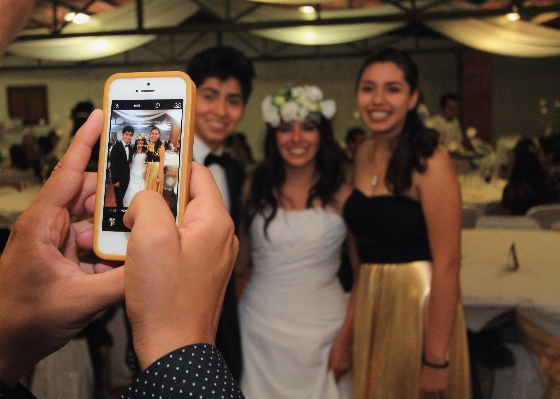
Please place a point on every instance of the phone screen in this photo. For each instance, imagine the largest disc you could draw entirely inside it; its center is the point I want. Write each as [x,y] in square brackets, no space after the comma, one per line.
[143,153]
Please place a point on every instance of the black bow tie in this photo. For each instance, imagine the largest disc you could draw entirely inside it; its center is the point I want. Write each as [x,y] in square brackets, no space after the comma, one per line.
[213,158]
[128,145]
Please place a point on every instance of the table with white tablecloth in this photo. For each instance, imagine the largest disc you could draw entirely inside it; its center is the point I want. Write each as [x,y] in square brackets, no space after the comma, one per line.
[14,202]
[482,195]
[490,287]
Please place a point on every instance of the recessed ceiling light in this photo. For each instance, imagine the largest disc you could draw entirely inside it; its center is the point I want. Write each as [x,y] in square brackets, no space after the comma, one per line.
[100,45]
[514,14]
[309,35]
[69,17]
[306,9]
[80,18]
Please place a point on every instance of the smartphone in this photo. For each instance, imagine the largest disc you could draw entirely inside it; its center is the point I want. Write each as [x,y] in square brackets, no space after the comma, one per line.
[146,144]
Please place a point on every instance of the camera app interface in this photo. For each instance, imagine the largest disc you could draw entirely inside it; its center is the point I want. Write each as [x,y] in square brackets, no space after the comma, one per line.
[144,151]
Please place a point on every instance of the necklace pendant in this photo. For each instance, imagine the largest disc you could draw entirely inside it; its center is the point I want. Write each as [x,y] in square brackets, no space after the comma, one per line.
[374,180]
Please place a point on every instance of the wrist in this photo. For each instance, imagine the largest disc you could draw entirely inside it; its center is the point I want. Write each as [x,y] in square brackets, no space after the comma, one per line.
[433,364]
[151,349]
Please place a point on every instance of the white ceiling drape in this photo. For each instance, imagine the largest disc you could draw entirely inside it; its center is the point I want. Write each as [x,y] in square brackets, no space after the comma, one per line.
[500,36]
[157,14]
[496,35]
[324,35]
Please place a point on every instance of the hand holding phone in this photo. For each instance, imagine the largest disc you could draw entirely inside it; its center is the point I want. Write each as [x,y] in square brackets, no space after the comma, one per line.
[146,145]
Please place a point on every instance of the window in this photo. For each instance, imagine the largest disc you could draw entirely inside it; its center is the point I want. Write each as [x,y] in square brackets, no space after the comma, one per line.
[29,104]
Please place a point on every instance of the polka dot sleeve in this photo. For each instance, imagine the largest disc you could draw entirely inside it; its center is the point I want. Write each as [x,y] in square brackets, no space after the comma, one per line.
[195,371]
[18,392]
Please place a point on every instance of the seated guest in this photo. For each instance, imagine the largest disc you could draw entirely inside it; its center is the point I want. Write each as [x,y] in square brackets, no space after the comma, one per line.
[354,138]
[549,156]
[18,157]
[526,184]
[447,123]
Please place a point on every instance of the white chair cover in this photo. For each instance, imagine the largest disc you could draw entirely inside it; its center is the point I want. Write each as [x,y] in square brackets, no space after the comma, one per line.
[507,222]
[545,215]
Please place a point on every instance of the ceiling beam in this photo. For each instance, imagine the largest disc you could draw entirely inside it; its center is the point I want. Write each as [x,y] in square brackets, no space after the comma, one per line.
[226,26]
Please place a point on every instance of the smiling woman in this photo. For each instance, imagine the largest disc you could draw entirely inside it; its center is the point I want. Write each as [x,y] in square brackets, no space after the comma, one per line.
[406,318]
[293,305]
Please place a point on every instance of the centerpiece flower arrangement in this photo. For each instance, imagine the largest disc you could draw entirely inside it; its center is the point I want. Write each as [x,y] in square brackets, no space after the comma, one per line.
[297,104]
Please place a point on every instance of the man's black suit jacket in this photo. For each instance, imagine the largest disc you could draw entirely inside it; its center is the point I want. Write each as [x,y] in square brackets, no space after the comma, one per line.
[228,336]
[120,171]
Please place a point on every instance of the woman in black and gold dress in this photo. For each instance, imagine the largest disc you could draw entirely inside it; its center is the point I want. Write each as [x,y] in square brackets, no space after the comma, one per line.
[405,321]
[154,161]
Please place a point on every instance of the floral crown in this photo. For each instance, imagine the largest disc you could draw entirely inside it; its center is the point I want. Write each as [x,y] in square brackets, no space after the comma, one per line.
[297,104]
[141,136]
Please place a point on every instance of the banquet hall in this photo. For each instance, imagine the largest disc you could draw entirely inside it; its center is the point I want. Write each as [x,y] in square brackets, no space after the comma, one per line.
[505,70]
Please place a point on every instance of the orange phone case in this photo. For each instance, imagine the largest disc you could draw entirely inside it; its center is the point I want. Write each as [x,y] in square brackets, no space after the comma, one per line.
[186,150]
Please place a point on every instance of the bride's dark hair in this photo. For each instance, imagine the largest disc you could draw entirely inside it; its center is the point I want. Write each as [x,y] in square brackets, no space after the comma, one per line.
[270,175]
[415,143]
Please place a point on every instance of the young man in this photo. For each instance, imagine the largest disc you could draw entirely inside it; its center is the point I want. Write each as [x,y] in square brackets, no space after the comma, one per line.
[447,123]
[121,156]
[223,77]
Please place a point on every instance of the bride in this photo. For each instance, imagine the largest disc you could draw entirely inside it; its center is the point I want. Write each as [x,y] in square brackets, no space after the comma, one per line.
[137,170]
[293,306]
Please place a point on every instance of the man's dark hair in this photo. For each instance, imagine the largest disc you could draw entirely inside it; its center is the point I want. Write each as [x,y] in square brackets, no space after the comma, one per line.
[352,133]
[128,128]
[447,96]
[223,62]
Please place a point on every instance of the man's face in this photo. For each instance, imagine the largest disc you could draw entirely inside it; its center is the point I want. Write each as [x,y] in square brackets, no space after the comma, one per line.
[451,109]
[127,137]
[219,109]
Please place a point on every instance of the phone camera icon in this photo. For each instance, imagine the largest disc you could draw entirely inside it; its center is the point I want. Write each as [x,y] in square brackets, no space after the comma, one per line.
[148,84]
[177,105]
[157,105]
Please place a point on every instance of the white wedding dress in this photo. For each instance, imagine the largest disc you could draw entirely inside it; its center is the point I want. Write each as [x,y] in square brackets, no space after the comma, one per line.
[293,307]
[137,182]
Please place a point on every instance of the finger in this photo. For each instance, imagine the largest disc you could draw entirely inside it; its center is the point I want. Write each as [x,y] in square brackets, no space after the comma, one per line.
[67,177]
[203,192]
[89,204]
[84,237]
[141,222]
[105,267]
[77,205]
[97,292]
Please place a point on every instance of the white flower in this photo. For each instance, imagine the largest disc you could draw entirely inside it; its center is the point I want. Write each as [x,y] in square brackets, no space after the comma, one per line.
[279,100]
[328,109]
[297,92]
[313,106]
[302,113]
[313,93]
[289,111]
[270,112]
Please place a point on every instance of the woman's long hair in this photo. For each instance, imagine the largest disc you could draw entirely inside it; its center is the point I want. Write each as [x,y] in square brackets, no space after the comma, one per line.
[143,149]
[270,175]
[415,143]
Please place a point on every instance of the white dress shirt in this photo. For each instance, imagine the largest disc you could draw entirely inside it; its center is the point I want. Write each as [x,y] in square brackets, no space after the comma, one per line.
[200,151]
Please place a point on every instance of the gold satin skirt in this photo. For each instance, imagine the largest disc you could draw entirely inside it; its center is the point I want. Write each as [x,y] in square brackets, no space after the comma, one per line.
[152,170]
[391,308]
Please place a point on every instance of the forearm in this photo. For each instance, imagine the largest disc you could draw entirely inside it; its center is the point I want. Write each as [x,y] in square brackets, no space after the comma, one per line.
[161,161]
[442,311]
[195,370]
